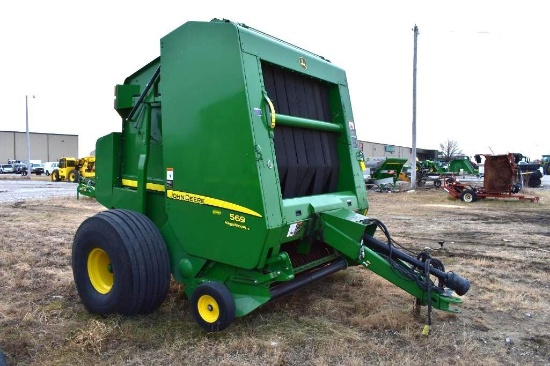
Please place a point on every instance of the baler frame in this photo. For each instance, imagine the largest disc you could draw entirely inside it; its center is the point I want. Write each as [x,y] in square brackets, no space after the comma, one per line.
[292,206]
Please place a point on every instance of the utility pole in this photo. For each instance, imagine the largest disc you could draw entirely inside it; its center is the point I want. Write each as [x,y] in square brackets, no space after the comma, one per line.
[413,165]
[28,139]
[28,136]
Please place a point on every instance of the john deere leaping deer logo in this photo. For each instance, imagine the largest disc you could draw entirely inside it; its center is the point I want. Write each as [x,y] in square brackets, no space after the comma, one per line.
[302,62]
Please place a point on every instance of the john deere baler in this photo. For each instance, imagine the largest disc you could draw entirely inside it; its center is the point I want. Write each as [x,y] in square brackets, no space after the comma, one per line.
[236,172]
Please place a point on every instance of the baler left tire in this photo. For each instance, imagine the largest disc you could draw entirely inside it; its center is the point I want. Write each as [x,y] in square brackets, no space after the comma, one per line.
[437,183]
[213,306]
[120,263]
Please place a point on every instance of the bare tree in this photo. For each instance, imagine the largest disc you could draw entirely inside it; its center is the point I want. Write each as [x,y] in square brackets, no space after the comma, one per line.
[449,150]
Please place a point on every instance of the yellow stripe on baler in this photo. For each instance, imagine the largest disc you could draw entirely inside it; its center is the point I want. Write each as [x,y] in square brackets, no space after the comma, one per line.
[204,200]
[193,198]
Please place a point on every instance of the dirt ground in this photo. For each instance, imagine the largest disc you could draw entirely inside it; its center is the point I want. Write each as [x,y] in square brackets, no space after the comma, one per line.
[352,318]
[502,247]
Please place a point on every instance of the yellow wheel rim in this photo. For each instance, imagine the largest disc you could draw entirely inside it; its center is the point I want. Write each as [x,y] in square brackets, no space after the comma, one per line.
[100,271]
[72,177]
[208,308]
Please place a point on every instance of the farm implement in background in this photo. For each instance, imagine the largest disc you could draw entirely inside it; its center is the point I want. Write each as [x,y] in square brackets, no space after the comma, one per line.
[86,187]
[500,180]
[440,173]
[383,172]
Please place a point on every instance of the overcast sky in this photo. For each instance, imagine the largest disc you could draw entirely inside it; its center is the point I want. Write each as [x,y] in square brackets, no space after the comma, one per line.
[483,76]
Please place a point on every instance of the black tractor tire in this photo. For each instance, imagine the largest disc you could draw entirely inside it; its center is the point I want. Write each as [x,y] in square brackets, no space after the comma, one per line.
[437,183]
[24,173]
[74,176]
[55,176]
[38,173]
[213,306]
[120,263]
[535,179]
[468,195]
[547,169]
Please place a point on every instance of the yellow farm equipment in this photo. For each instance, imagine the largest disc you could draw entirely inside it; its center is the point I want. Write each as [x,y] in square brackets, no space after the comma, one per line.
[74,170]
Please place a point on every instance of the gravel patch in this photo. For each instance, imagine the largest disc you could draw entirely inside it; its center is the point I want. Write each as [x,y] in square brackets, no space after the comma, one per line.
[28,190]
[14,190]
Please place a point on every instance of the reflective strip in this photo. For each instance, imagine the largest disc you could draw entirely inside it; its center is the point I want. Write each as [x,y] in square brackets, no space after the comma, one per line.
[149,186]
[193,198]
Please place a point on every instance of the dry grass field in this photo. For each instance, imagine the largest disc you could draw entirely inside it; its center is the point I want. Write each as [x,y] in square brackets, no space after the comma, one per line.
[353,317]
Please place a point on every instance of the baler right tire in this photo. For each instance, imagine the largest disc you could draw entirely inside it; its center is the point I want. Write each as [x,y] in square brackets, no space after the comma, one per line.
[120,263]
[213,306]
[468,195]
[437,183]
[55,176]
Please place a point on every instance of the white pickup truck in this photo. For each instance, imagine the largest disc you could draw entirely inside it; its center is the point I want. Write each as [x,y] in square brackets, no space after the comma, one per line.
[50,166]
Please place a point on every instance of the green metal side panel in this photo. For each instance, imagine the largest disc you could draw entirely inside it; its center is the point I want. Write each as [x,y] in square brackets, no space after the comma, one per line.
[214,203]
[108,149]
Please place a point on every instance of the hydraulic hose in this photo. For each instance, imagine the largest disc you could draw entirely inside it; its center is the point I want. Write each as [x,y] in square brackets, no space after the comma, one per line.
[453,281]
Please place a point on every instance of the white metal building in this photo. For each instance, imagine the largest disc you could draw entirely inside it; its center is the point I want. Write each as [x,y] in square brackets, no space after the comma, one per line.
[376,150]
[43,146]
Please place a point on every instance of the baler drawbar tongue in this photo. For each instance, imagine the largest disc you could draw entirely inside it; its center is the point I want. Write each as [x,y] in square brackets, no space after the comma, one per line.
[349,233]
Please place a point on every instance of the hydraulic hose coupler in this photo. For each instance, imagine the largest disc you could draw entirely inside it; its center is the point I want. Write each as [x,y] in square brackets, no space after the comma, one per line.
[456,283]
